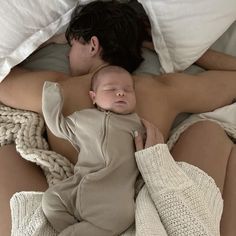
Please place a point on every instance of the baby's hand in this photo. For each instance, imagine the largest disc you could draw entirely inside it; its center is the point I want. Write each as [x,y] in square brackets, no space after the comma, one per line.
[153,136]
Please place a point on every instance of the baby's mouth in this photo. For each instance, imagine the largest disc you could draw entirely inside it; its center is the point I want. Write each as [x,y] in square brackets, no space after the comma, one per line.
[121,102]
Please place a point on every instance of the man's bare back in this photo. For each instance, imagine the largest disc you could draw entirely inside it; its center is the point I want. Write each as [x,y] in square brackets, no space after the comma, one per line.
[159,98]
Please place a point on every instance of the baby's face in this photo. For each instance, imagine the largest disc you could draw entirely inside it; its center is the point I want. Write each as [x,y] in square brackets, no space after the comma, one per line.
[115,92]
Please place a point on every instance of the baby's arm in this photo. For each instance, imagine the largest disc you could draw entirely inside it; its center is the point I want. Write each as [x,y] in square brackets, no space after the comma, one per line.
[52,104]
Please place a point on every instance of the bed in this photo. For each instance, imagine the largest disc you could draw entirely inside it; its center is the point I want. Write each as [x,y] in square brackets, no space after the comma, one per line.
[211,23]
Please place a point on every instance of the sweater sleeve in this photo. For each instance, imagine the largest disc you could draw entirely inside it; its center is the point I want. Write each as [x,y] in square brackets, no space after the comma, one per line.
[52,104]
[178,199]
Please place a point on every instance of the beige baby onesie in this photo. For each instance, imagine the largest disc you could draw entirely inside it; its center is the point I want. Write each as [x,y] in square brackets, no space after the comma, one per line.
[99,199]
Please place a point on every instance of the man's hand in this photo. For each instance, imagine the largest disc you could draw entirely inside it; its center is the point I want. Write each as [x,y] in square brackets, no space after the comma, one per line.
[59,39]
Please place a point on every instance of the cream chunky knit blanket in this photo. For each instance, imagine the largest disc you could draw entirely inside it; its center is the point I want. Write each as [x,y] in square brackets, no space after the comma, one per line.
[177,198]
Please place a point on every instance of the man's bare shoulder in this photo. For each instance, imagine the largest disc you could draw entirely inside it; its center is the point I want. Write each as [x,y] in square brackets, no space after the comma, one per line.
[168,79]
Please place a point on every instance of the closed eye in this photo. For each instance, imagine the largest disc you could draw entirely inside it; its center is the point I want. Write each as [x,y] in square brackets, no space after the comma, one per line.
[109,89]
[129,90]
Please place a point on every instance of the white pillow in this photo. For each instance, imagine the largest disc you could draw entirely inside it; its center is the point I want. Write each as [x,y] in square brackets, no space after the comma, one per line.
[26,24]
[183,30]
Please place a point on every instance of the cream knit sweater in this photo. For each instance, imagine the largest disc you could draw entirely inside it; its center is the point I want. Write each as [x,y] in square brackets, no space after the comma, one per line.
[177,198]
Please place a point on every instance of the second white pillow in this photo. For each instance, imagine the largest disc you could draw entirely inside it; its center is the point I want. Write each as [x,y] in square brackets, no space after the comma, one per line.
[183,30]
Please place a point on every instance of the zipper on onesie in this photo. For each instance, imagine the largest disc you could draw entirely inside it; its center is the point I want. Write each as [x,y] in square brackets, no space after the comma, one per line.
[104,139]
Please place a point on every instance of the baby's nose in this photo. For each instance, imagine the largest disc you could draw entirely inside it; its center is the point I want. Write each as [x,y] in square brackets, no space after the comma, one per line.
[120,93]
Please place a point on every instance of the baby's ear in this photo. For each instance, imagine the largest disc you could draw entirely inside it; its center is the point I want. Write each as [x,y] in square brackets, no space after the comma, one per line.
[92,95]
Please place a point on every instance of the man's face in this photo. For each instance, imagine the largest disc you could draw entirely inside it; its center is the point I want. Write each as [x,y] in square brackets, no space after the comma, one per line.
[79,58]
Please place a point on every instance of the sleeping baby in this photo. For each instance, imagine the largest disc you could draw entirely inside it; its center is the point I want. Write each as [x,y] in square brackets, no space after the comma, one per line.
[98,200]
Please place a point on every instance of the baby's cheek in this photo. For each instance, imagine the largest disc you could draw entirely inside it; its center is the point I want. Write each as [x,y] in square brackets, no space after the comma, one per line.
[105,103]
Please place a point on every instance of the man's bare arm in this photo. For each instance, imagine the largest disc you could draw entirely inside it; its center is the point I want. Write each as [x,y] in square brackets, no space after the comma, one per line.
[213,60]
[203,92]
[22,89]
[207,90]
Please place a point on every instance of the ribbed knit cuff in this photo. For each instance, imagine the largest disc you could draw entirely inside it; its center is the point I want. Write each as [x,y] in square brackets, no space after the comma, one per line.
[159,169]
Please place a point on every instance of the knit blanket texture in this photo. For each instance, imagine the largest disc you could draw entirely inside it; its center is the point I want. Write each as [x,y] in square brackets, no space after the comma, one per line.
[26,129]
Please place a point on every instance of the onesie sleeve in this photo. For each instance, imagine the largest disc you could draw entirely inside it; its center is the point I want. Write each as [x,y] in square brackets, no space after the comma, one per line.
[52,103]
[180,201]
